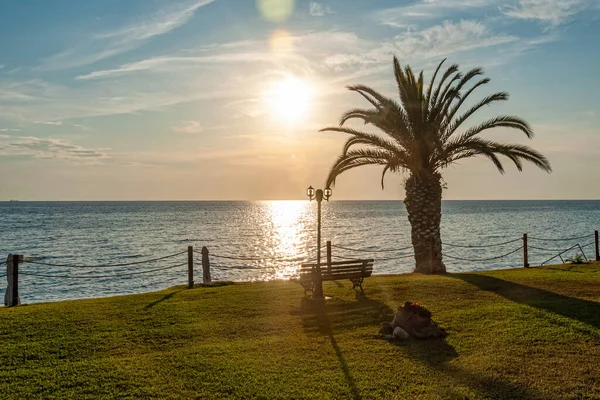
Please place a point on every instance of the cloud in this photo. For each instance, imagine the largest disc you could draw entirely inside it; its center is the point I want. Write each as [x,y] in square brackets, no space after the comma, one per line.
[406,16]
[418,45]
[125,38]
[34,147]
[55,123]
[318,10]
[9,130]
[554,12]
[236,73]
[188,127]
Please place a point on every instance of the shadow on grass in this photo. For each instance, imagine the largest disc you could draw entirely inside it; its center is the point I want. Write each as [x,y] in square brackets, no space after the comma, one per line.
[328,318]
[334,315]
[325,318]
[164,298]
[488,386]
[585,311]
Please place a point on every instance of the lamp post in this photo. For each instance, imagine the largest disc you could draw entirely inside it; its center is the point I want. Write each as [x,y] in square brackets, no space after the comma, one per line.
[318,195]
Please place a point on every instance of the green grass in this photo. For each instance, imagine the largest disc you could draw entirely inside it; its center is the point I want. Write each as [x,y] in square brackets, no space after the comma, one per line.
[528,333]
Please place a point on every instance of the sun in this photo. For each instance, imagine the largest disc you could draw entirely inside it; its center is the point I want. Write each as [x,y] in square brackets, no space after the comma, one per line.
[290,98]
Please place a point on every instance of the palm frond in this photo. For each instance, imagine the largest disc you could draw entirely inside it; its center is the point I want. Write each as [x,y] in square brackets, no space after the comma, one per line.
[449,115]
[356,158]
[452,69]
[432,83]
[371,138]
[515,152]
[502,121]
[486,101]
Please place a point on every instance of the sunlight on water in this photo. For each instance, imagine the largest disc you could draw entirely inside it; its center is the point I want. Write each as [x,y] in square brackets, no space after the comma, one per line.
[289,220]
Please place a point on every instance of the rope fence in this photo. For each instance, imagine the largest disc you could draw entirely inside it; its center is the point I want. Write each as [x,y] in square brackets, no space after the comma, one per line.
[108,265]
[261,263]
[481,246]
[484,259]
[103,276]
[559,240]
[370,251]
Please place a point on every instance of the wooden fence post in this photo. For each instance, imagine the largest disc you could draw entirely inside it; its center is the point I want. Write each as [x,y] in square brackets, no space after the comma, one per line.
[11,297]
[190,267]
[525,254]
[596,245]
[329,256]
[205,265]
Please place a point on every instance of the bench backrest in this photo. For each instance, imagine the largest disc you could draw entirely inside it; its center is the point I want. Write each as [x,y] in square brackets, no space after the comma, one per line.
[339,269]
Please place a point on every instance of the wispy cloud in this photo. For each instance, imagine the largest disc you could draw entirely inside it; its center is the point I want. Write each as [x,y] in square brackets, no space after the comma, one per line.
[10,130]
[319,10]
[54,123]
[408,15]
[34,147]
[125,38]
[552,11]
[188,127]
[418,45]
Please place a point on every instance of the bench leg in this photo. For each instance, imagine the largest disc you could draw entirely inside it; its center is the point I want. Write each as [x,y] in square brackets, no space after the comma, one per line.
[308,287]
[357,282]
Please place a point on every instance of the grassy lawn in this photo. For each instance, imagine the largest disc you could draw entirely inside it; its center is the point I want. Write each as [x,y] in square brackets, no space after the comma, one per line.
[528,333]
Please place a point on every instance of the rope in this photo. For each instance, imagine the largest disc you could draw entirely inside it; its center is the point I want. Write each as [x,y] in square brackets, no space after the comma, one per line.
[343,258]
[103,276]
[370,251]
[393,258]
[545,249]
[480,246]
[375,259]
[559,240]
[483,259]
[105,266]
[257,258]
[232,267]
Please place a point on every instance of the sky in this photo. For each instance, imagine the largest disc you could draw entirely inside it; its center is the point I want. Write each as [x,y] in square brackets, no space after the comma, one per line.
[223,99]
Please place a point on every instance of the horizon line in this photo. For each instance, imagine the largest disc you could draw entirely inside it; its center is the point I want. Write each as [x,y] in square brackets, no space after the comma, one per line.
[261,200]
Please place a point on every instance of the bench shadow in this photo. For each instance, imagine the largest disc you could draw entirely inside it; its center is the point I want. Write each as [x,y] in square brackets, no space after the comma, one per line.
[160,300]
[325,318]
[581,310]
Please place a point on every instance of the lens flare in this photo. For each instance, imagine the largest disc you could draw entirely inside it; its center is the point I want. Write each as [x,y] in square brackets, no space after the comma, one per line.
[275,10]
[281,42]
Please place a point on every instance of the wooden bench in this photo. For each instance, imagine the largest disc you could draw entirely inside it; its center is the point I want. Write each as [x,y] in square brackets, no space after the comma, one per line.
[354,270]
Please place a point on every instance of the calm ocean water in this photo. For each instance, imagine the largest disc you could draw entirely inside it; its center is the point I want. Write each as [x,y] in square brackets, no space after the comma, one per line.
[278,235]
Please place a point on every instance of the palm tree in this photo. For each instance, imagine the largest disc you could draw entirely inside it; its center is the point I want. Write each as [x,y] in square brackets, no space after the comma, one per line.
[424,135]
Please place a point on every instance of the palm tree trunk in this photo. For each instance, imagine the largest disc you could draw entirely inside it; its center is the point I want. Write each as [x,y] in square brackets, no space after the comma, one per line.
[424,206]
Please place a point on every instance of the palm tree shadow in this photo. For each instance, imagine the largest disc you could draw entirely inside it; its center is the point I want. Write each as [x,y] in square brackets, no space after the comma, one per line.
[581,310]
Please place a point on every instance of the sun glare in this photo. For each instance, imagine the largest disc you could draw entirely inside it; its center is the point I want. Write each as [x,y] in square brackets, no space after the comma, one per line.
[291,98]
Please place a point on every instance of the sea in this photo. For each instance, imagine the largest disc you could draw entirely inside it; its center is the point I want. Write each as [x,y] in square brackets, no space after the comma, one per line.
[76,250]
